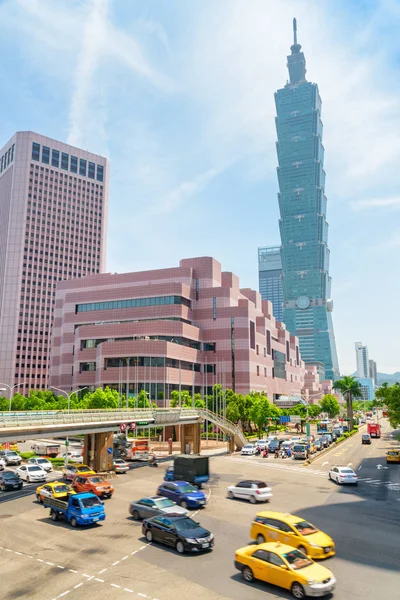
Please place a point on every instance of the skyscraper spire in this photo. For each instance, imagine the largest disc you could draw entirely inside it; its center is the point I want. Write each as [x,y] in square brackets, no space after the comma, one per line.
[296,61]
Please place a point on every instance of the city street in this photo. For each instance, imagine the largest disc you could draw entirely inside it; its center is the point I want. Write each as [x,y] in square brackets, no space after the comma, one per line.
[46,560]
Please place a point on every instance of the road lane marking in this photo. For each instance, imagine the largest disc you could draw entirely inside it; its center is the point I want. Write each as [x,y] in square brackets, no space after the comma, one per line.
[359,468]
[78,585]
[102,571]
[116,563]
[97,579]
[125,557]
[115,585]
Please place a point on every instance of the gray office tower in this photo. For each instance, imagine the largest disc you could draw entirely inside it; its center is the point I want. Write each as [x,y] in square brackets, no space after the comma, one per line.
[270,278]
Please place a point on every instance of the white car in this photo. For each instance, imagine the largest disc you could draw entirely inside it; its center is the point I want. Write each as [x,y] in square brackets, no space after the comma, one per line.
[261,444]
[2,464]
[31,473]
[249,450]
[249,489]
[74,456]
[41,462]
[343,475]
[120,466]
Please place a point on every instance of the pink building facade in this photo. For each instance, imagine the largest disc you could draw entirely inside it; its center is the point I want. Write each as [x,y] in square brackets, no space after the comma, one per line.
[183,328]
[53,219]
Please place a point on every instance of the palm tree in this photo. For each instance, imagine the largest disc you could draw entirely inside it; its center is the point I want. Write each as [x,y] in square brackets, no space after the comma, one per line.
[351,388]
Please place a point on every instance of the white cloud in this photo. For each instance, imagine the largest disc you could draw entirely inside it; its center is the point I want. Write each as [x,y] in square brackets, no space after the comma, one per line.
[389,202]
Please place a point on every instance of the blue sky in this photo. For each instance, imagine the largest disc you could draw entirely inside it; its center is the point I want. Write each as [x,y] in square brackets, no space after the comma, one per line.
[179,95]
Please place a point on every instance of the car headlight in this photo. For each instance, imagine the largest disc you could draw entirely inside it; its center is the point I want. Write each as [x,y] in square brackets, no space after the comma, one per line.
[314,545]
[191,540]
[312,582]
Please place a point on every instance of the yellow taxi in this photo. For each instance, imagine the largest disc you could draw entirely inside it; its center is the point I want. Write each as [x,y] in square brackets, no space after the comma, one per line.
[393,456]
[13,446]
[271,526]
[286,567]
[71,471]
[55,489]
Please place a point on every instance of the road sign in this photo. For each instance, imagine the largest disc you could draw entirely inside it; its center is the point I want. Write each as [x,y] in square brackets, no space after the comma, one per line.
[284,419]
[66,443]
[109,450]
[122,427]
[132,426]
[294,419]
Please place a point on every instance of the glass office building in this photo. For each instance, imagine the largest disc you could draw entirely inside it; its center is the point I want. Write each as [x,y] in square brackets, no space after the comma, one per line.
[307,309]
[270,278]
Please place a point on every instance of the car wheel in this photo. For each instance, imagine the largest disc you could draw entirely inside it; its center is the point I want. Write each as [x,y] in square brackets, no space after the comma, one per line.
[260,539]
[149,536]
[248,574]
[330,476]
[27,479]
[184,504]
[180,547]
[135,515]
[253,499]
[3,487]
[231,495]
[298,590]
[54,515]
[302,549]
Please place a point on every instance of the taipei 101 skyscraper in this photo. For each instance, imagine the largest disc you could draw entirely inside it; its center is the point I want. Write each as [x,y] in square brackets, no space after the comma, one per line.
[307,308]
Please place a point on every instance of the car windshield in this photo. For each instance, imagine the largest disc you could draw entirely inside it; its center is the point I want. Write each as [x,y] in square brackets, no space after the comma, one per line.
[305,528]
[61,489]
[89,502]
[164,503]
[11,454]
[186,489]
[297,560]
[97,480]
[9,475]
[185,525]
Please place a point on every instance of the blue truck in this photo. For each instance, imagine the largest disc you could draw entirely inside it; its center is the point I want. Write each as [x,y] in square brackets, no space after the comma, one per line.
[193,469]
[77,509]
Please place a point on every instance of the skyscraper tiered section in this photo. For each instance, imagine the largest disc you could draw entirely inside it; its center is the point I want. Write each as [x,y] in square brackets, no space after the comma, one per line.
[307,309]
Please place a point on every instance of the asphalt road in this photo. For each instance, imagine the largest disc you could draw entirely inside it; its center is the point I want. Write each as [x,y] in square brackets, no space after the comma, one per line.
[46,560]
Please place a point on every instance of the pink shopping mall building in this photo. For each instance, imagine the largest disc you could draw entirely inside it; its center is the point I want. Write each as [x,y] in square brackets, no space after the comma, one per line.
[53,218]
[183,328]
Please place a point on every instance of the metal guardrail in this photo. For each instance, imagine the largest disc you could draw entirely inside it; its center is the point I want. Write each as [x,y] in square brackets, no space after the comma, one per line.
[152,416]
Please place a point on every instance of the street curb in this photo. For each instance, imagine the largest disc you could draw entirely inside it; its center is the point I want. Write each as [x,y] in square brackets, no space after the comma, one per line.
[335,445]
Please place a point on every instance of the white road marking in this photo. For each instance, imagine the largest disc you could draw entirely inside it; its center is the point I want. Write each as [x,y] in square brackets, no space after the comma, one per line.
[128,590]
[78,585]
[325,463]
[102,571]
[349,464]
[142,595]
[60,567]
[72,571]
[115,585]
[116,563]
[125,557]
[359,468]
[100,580]
[49,563]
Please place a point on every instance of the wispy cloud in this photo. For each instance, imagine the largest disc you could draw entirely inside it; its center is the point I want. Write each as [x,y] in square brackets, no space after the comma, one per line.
[186,190]
[390,202]
[93,44]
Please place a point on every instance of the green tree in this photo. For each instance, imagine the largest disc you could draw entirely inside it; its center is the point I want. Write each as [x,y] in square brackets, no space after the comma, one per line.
[330,405]
[260,411]
[313,410]
[392,401]
[4,404]
[18,402]
[351,389]
[232,412]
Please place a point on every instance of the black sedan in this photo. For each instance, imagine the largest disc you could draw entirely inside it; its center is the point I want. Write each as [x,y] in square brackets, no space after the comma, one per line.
[182,533]
[10,481]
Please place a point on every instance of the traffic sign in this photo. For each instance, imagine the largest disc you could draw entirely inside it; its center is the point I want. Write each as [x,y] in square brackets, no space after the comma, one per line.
[66,443]
[295,419]
[284,419]
[109,450]
[132,426]
[122,427]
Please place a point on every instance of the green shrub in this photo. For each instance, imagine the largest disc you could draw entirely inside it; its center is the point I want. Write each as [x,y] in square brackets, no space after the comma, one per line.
[26,455]
[340,439]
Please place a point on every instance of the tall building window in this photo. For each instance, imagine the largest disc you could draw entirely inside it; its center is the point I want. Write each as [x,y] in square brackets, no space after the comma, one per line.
[74,164]
[64,161]
[35,151]
[91,170]
[45,155]
[55,158]
[100,173]
[268,342]
[12,152]
[214,308]
[287,351]
[197,289]
[252,335]
[82,167]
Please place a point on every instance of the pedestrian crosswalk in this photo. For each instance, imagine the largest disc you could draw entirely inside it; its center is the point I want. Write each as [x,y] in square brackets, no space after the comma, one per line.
[305,470]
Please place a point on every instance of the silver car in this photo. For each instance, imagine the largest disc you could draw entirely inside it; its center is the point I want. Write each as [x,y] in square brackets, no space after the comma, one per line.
[153,506]
[343,475]
[41,462]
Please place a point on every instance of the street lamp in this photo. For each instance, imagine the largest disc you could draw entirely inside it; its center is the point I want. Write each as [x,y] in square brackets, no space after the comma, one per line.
[69,402]
[8,387]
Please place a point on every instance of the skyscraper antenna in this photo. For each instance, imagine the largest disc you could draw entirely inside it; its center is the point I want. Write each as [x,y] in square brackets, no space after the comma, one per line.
[295,31]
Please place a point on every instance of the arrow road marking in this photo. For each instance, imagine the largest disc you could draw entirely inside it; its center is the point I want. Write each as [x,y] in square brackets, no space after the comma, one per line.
[381,467]
[325,463]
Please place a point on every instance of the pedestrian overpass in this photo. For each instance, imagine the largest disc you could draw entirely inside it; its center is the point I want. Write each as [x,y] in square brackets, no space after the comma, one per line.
[99,426]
